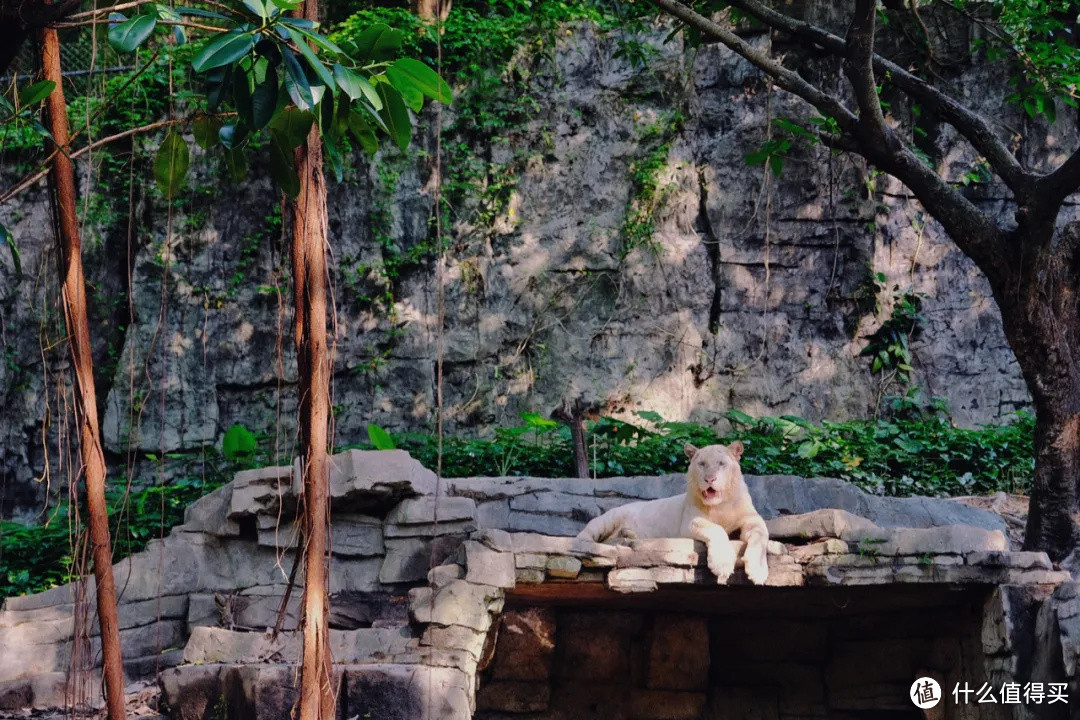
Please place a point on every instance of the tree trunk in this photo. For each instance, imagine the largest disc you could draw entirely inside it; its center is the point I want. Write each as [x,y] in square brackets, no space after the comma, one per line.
[1040,308]
[73,291]
[317,695]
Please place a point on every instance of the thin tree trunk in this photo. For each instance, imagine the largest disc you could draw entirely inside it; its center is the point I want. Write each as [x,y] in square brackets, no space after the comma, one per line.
[62,178]
[317,695]
[1040,308]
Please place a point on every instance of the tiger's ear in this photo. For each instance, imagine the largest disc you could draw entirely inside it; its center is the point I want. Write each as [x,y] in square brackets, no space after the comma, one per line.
[736,450]
[690,451]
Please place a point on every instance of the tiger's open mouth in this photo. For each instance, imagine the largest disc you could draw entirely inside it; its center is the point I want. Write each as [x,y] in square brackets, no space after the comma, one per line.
[710,493]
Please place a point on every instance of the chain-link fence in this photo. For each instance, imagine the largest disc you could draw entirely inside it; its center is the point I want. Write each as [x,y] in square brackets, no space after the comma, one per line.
[78,57]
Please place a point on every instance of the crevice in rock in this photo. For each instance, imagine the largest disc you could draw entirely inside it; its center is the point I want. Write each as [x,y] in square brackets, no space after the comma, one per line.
[704,228]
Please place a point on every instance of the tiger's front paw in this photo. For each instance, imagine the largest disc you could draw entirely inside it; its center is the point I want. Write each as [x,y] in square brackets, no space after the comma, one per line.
[756,565]
[721,561]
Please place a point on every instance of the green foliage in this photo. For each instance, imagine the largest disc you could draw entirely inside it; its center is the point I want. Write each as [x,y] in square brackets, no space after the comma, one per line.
[916,450]
[238,443]
[889,346]
[647,197]
[380,439]
[1041,34]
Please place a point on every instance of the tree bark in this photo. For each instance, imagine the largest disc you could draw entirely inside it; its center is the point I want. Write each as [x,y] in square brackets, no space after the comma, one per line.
[317,694]
[1040,308]
[73,291]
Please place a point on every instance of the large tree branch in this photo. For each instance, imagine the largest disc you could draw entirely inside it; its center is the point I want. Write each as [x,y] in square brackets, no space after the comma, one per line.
[974,233]
[968,123]
[1052,189]
[782,76]
[859,68]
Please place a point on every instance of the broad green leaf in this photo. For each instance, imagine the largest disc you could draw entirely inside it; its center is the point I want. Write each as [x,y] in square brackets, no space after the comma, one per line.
[220,82]
[295,22]
[396,116]
[129,35]
[16,258]
[35,93]
[205,129]
[423,77]
[363,133]
[224,49]
[650,415]
[264,101]
[236,163]
[171,164]
[296,82]
[293,125]
[321,41]
[242,96]
[380,438]
[238,442]
[333,155]
[313,60]
[379,42]
[349,81]
[535,420]
[738,416]
[283,166]
[409,92]
[257,7]
[199,12]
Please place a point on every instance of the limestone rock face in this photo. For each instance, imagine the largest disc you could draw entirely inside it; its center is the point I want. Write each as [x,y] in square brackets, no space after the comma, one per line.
[545,301]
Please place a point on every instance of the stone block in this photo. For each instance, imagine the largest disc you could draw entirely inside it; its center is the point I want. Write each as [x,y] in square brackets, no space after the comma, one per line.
[423,510]
[406,560]
[563,566]
[816,524]
[454,637]
[193,692]
[210,514]
[679,552]
[485,566]
[457,603]
[525,645]
[536,561]
[262,491]
[405,692]
[356,536]
[1019,560]
[443,574]
[513,696]
[678,655]
[823,546]
[630,580]
[262,691]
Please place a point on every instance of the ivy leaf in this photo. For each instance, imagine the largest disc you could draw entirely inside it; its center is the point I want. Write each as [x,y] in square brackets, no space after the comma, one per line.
[35,93]
[380,438]
[224,49]
[422,77]
[129,35]
[171,164]
[396,116]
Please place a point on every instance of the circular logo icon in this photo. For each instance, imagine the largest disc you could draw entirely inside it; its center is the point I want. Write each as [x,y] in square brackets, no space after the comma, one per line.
[925,693]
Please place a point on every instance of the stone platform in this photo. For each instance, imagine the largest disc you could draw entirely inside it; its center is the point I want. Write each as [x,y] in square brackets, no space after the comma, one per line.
[426,597]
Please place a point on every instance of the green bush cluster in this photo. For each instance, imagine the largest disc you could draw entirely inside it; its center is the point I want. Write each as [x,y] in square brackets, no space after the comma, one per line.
[914,451]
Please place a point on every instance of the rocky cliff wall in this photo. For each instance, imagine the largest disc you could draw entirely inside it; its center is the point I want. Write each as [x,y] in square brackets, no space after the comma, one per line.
[754,292]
